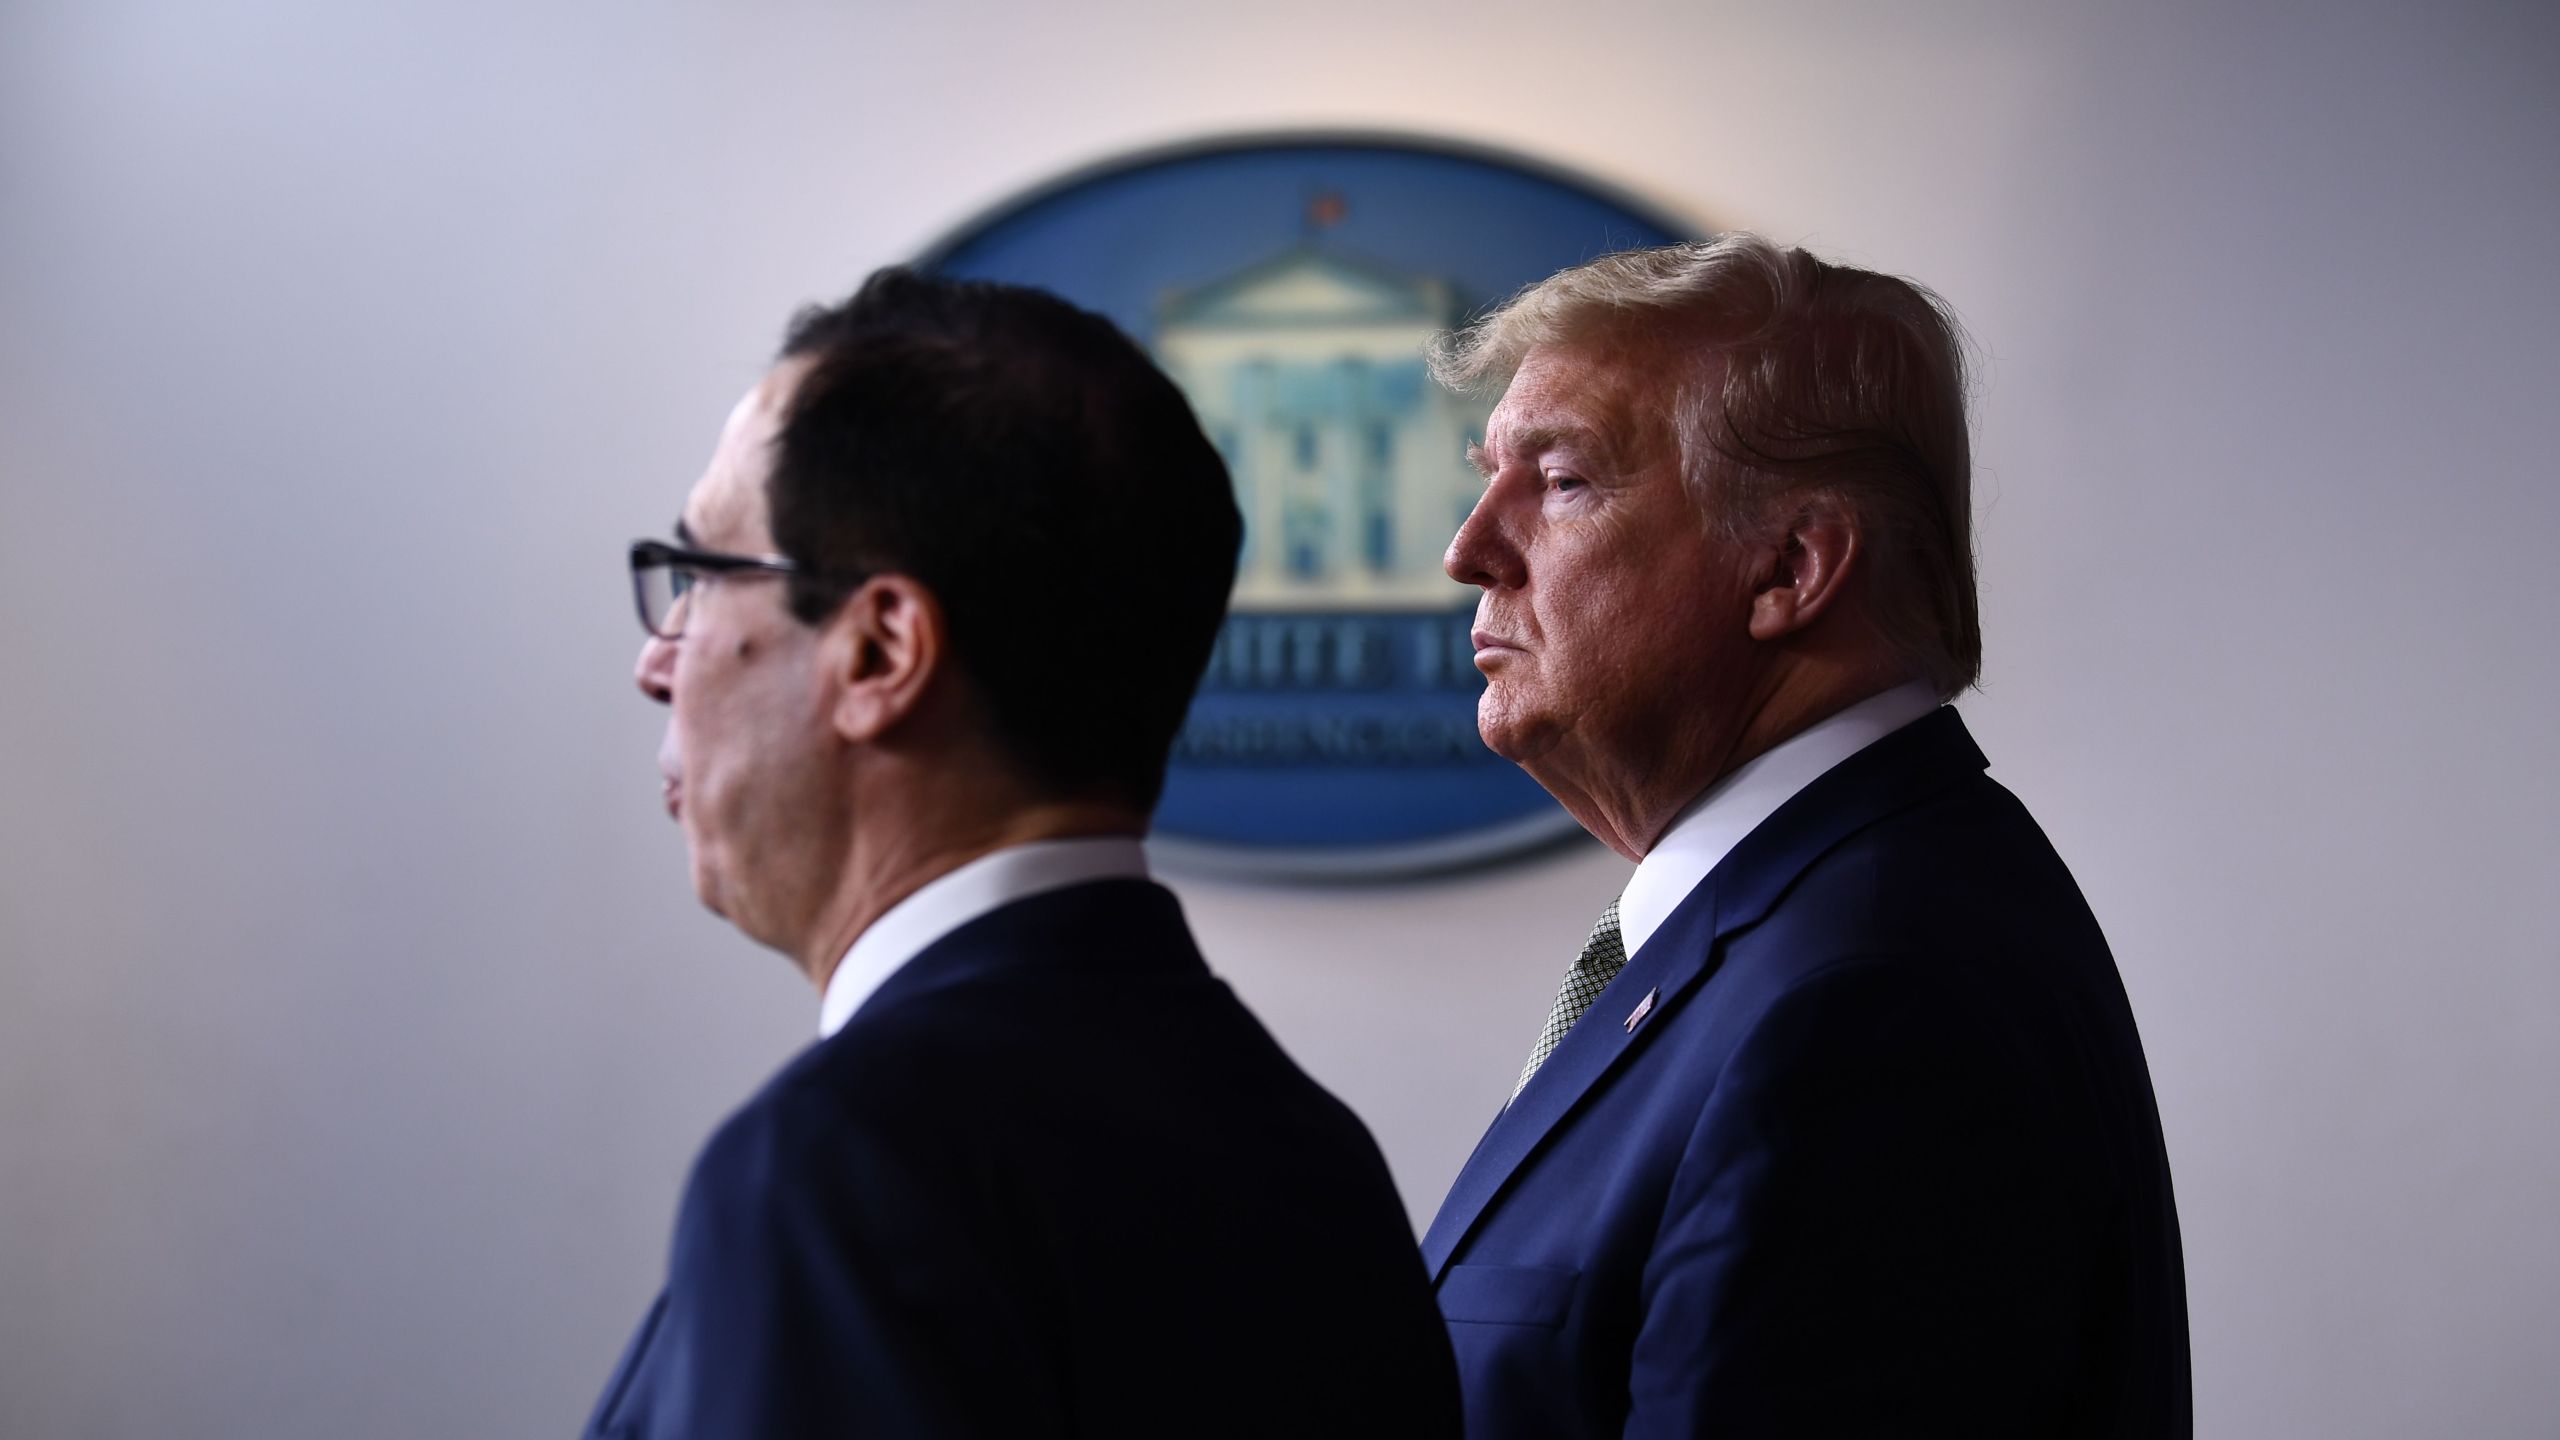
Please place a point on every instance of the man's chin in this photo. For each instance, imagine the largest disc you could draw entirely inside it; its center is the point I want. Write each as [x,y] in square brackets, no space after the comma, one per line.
[1506,732]
[706,888]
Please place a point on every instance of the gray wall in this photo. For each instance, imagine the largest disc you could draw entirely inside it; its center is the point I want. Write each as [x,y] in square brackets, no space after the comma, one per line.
[356,1024]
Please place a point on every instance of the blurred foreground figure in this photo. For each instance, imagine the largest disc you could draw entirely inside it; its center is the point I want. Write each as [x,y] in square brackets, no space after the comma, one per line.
[1839,1124]
[928,626]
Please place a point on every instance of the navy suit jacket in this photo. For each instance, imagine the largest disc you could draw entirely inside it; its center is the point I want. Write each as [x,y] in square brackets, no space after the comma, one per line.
[1051,1179]
[1880,1157]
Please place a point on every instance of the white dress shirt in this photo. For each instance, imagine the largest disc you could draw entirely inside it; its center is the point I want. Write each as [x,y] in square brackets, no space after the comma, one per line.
[951,900]
[1704,833]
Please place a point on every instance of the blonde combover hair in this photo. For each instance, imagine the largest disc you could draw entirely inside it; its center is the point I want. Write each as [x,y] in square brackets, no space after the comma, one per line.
[1791,379]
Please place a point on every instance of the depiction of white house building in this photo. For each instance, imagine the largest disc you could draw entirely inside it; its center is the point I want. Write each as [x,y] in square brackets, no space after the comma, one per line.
[1349,464]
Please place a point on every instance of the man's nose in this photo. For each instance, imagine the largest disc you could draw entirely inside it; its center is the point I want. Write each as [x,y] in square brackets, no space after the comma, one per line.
[1482,552]
[656,672]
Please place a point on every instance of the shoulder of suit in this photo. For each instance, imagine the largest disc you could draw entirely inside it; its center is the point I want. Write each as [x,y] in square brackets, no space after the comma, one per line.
[862,1077]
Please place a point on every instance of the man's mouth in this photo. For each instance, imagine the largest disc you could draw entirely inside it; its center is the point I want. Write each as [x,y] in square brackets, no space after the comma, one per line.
[673,794]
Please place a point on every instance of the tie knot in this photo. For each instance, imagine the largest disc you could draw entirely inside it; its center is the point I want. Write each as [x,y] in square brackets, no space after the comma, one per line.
[1605,953]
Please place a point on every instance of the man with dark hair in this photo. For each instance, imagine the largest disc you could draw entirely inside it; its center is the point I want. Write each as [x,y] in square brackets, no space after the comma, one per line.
[1839,1123]
[933,616]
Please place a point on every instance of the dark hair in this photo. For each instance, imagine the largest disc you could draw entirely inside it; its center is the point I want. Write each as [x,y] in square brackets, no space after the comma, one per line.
[1028,464]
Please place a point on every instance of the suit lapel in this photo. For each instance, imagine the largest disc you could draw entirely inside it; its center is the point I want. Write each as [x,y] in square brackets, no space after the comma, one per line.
[1901,769]
[1673,960]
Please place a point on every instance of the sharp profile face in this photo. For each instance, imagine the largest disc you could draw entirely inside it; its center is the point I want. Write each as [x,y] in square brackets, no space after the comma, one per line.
[1607,606]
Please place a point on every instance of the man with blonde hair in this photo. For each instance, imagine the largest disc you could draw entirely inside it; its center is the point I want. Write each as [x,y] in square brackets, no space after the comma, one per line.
[1839,1124]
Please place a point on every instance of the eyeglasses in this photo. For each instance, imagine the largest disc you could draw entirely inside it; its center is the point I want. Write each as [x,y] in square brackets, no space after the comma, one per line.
[662,575]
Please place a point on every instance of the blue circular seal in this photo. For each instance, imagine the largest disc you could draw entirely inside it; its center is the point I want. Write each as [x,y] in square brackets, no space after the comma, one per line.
[1288,284]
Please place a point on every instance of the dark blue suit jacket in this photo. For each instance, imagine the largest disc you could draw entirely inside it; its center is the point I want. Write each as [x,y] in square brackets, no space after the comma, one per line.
[1880,1157]
[1052,1179]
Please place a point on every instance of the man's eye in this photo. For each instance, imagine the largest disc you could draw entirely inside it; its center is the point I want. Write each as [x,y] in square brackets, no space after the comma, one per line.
[1558,480]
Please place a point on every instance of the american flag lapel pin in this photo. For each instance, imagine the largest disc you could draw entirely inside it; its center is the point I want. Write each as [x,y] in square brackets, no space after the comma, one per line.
[1643,1008]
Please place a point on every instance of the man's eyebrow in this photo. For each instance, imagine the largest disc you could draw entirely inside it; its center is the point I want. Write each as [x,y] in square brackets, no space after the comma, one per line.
[1539,439]
[684,533]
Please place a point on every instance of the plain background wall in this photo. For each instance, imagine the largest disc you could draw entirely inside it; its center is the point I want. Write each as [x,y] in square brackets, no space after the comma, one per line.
[356,1022]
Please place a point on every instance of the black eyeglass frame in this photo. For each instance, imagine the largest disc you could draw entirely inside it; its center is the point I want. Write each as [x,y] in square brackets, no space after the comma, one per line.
[685,561]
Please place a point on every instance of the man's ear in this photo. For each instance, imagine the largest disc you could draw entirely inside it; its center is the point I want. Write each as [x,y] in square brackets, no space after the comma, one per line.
[883,650]
[1814,555]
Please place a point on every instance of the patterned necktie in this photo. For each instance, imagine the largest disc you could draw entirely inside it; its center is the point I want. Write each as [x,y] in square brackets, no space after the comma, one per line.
[1602,957]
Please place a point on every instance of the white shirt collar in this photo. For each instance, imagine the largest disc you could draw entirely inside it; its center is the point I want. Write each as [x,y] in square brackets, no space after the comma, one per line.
[1704,833]
[956,897]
